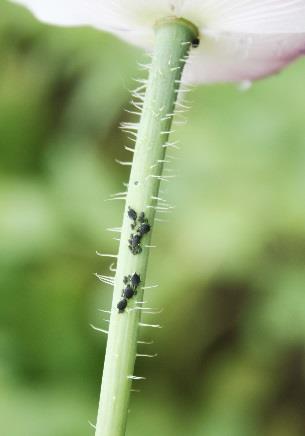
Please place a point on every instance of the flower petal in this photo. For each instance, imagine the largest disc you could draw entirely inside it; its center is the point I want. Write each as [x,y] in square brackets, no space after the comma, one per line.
[240,39]
[233,57]
[247,16]
[114,15]
[71,12]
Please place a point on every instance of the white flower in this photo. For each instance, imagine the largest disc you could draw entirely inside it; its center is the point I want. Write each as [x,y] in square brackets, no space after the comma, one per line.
[240,39]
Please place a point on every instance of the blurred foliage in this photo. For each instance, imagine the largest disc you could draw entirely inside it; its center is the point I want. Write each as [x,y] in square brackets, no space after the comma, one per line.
[230,260]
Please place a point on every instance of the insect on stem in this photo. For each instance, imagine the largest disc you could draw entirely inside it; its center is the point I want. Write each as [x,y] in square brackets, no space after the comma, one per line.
[156,100]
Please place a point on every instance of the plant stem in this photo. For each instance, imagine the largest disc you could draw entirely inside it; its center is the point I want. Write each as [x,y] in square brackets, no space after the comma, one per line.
[173,39]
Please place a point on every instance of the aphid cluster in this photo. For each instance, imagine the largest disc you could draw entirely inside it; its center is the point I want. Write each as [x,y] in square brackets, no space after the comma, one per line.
[131,283]
[141,226]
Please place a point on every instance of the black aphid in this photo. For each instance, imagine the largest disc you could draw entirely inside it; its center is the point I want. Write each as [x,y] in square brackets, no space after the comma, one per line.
[135,280]
[144,228]
[122,305]
[135,250]
[132,214]
[142,218]
[126,280]
[134,243]
[196,42]
[135,239]
[128,292]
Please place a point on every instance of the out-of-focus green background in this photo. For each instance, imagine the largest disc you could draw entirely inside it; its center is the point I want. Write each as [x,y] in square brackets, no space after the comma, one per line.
[230,260]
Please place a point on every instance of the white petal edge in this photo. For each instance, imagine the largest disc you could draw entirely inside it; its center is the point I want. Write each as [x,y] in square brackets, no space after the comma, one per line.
[113,15]
[248,16]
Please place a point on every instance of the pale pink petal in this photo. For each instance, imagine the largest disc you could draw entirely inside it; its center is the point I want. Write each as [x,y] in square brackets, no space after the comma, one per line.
[249,16]
[236,57]
[240,39]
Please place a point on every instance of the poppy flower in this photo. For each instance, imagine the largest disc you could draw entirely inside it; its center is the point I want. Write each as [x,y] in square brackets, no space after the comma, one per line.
[220,41]
[239,39]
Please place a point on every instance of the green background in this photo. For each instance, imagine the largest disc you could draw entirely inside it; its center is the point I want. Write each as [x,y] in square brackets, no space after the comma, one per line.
[229,263]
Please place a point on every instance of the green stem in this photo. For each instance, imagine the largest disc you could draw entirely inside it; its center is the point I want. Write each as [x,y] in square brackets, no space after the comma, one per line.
[172,44]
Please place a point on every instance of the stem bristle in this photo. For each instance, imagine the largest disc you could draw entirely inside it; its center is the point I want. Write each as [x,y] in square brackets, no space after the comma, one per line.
[155,102]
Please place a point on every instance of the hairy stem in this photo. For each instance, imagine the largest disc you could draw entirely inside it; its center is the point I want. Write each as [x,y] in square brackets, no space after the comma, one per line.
[173,38]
